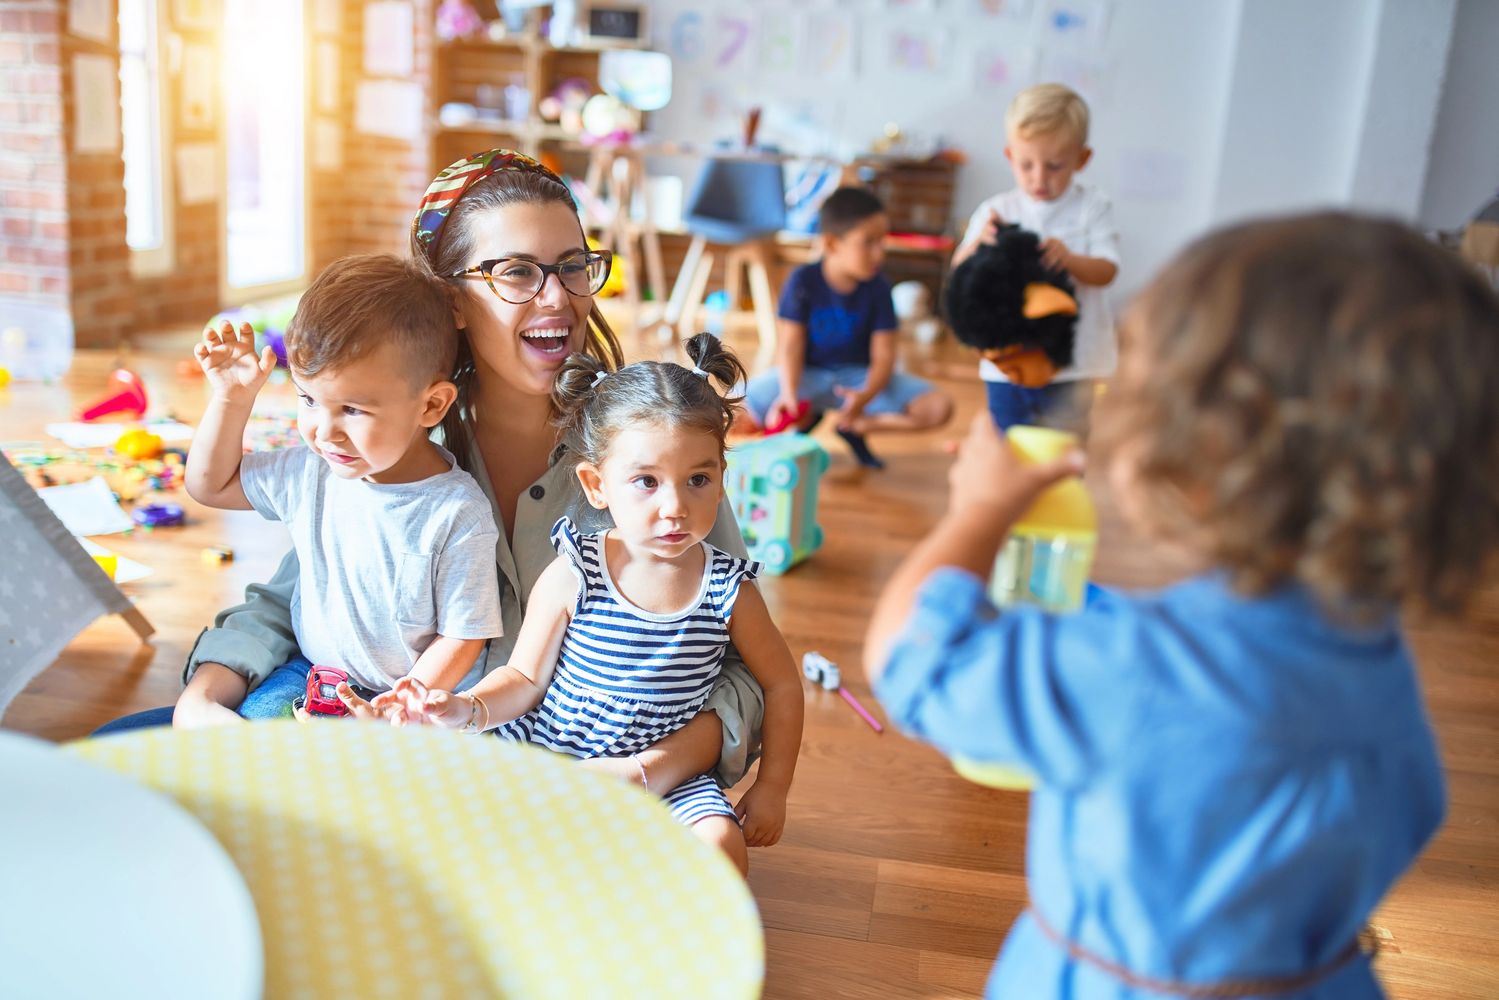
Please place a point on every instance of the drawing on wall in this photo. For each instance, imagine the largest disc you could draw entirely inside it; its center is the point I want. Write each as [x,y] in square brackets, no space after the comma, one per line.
[389,38]
[91,19]
[1004,8]
[834,52]
[918,50]
[780,41]
[685,37]
[1083,71]
[198,15]
[1082,22]
[197,173]
[96,120]
[197,87]
[733,45]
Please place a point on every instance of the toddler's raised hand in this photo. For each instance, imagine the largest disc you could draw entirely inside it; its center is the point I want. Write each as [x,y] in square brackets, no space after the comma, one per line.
[988,473]
[762,814]
[228,359]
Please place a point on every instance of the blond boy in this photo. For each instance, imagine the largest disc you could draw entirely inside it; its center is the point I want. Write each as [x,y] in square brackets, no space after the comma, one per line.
[1046,143]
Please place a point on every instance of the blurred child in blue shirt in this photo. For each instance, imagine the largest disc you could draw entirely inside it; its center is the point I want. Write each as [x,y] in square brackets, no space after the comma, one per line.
[837,337]
[1233,771]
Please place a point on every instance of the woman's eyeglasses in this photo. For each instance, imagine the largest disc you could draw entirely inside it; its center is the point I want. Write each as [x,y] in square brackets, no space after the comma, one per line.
[518,280]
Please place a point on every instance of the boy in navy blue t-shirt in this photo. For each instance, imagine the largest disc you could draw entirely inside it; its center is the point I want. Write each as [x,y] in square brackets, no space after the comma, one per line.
[837,337]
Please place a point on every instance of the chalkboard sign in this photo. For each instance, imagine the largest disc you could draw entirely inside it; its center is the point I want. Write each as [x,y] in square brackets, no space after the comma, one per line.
[620,22]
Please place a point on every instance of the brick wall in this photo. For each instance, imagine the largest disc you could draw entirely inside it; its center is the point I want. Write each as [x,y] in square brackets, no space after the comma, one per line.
[62,214]
[367,204]
[101,291]
[34,262]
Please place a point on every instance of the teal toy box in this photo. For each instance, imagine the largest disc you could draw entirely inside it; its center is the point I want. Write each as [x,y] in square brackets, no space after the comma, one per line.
[772,484]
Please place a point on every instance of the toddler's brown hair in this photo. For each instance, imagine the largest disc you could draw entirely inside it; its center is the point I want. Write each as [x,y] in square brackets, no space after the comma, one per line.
[361,302]
[1316,399]
[593,404]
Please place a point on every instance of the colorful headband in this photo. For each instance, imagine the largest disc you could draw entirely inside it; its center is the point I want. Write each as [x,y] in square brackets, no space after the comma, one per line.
[455,180]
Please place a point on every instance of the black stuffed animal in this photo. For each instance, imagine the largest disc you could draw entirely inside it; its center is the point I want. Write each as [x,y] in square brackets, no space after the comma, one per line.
[1014,311]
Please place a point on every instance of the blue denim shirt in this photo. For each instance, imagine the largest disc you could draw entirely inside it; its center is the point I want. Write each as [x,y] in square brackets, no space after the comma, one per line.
[1226,786]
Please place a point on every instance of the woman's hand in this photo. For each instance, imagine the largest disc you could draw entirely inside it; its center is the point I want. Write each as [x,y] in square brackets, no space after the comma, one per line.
[762,814]
[228,359]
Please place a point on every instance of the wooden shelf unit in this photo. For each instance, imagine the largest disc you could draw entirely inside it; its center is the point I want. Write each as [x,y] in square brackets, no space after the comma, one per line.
[524,59]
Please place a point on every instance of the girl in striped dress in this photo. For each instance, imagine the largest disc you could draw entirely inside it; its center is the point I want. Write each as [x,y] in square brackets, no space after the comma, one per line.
[625,632]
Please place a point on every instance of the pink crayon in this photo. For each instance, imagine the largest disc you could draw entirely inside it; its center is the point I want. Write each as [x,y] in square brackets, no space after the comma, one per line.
[822,671]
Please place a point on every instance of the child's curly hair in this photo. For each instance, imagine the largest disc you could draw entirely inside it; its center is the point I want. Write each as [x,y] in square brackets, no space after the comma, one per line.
[593,403]
[1316,399]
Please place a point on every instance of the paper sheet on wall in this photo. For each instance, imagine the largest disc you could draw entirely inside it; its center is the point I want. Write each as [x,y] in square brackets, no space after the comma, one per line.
[325,76]
[91,19]
[96,118]
[390,108]
[325,16]
[327,144]
[918,50]
[833,46]
[197,173]
[197,87]
[389,30]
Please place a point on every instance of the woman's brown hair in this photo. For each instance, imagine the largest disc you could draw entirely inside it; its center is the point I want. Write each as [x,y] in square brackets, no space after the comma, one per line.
[449,253]
[1316,399]
[594,404]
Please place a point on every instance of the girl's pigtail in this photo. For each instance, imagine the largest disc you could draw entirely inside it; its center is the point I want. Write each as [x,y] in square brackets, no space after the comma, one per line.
[575,385]
[709,355]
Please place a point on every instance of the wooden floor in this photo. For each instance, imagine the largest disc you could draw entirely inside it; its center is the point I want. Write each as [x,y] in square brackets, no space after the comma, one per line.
[896,878]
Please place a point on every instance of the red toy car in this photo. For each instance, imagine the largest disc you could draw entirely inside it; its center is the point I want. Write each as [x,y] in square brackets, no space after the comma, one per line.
[322,691]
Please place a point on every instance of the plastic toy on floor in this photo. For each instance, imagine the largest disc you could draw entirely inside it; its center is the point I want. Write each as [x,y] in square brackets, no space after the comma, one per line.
[824,672]
[126,394]
[786,421]
[772,484]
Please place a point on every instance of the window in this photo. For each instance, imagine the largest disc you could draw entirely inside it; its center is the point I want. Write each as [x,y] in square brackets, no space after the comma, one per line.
[265,212]
[148,228]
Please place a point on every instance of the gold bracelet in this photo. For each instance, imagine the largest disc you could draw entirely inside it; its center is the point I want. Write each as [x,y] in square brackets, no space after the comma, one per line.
[484,705]
[473,713]
[644,781]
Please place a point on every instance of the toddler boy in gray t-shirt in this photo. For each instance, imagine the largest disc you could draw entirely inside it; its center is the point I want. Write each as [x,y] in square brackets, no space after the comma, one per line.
[396,544]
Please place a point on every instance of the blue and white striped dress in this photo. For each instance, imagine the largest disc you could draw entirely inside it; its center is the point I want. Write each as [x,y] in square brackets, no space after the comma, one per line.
[626,677]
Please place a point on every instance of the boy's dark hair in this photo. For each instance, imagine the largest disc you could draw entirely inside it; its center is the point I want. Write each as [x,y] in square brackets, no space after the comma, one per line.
[361,302]
[1315,399]
[845,208]
[591,410]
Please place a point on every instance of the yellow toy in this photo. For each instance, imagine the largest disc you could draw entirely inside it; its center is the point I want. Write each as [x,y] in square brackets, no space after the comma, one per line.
[138,444]
[1045,562]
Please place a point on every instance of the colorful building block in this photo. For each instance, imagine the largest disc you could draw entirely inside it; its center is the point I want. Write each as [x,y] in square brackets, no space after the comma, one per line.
[772,484]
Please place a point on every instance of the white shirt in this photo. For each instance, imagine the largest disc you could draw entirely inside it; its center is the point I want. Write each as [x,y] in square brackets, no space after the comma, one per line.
[385,567]
[1083,219]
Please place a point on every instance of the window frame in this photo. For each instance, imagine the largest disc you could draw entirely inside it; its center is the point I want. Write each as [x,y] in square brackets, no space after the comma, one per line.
[157,261]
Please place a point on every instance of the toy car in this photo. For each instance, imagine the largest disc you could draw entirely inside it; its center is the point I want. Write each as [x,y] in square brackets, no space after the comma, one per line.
[158,515]
[322,691]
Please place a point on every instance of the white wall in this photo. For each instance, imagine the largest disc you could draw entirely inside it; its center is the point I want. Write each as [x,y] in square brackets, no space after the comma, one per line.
[1464,169]
[1203,112]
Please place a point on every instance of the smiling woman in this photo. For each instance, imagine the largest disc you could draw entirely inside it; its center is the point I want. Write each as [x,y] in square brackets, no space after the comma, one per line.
[495,207]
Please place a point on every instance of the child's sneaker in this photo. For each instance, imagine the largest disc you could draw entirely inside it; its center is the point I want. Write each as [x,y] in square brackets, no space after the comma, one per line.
[860,448]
